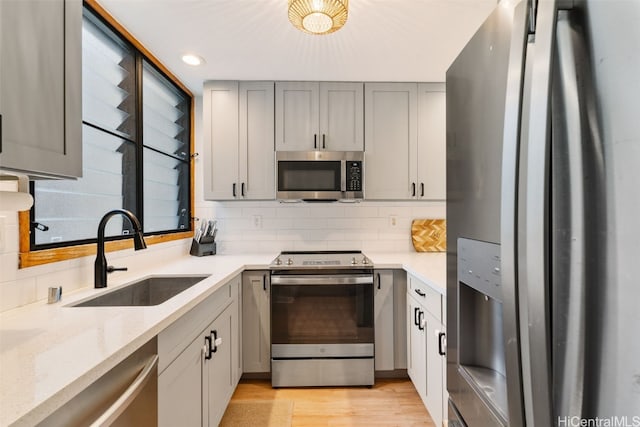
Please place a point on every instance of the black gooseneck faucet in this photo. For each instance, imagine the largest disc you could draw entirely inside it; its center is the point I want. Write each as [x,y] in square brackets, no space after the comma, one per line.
[100,266]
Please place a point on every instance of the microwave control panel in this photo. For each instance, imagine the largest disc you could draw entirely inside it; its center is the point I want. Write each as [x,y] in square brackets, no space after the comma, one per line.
[354,176]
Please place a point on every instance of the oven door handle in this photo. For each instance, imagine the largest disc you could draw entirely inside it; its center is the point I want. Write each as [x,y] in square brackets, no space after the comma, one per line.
[346,279]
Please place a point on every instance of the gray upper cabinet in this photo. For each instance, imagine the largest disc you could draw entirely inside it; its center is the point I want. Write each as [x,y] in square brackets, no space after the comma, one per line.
[319,116]
[406,138]
[41,87]
[432,136]
[238,128]
[391,132]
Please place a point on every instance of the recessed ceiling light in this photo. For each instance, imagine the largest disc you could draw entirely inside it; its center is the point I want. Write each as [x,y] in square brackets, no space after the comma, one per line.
[193,59]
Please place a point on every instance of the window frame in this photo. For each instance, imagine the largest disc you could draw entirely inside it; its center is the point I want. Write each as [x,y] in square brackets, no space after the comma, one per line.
[29,257]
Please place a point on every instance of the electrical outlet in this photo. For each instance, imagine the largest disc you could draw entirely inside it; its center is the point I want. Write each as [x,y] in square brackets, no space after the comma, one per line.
[257,221]
[393,221]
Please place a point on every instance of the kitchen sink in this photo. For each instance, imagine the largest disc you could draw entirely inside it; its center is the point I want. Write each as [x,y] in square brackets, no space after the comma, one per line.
[149,291]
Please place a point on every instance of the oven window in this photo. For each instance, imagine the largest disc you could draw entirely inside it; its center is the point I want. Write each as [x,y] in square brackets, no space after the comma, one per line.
[308,175]
[321,314]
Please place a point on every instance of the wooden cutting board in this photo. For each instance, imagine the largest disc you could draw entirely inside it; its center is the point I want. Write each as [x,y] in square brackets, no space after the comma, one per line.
[429,235]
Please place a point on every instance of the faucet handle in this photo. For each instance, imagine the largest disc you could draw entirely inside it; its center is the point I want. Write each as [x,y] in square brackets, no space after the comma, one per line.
[111,269]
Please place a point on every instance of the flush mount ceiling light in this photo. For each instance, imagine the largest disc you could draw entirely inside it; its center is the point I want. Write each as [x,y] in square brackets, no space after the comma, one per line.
[318,16]
[192,59]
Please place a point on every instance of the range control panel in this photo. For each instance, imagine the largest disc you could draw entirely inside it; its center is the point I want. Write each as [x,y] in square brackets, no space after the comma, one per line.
[354,176]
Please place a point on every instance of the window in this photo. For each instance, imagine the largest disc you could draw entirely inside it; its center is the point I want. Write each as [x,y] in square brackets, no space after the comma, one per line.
[136,149]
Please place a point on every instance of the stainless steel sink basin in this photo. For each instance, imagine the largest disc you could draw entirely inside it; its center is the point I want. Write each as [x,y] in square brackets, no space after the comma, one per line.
[150,291]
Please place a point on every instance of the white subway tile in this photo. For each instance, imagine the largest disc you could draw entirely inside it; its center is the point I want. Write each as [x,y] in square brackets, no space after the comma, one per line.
[330,211]
[345,245]
[259,210]
[17,293]
[310,246]
[358,211]
[344,223]
[277,223]
[11,239]
[309,223]
[292,210]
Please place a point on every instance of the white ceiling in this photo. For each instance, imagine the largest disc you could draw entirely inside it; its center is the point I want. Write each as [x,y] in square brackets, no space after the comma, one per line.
[383,40]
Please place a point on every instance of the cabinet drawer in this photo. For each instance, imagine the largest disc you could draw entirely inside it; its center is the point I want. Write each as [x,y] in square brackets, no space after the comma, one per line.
[177,336]
[427,296]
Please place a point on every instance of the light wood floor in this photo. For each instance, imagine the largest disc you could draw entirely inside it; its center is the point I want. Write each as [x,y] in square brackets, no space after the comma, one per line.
[388,403]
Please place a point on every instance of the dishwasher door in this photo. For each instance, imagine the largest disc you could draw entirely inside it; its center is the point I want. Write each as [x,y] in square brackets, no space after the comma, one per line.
[127,395]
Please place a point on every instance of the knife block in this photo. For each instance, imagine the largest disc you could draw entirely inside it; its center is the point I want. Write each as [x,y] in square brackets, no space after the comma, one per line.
[205,247]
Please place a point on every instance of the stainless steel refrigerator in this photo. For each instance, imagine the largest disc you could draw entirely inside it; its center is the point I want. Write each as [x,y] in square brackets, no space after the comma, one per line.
[543,214]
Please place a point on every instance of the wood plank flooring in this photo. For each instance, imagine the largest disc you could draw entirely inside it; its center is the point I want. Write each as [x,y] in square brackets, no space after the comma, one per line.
[391,402]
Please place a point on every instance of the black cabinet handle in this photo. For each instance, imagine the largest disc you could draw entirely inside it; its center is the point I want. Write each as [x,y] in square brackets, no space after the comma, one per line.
[234,189]
[379,286]
[264,282]
[212,340]
[315,141]
[420,316]
[413,189]
[323,142]
[207,343]
[0,133]
[441,350]
[422,189]
[419,292]
[242,189]
[416,316]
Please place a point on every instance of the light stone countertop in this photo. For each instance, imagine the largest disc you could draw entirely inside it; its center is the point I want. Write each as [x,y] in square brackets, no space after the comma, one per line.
[51,352]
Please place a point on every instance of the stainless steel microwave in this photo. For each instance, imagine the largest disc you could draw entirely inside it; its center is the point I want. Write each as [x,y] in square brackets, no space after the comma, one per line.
[319,175]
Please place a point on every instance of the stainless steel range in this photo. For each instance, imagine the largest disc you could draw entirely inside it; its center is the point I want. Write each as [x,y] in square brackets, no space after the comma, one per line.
[322,319]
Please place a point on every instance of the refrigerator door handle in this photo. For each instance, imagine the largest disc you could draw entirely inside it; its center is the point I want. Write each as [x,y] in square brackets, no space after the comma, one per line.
[534,269]
[569,366]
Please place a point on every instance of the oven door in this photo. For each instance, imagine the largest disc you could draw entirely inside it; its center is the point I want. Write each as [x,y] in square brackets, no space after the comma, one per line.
[319,315]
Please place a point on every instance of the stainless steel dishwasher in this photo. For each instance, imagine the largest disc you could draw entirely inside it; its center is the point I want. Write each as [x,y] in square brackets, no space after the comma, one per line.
[127,395]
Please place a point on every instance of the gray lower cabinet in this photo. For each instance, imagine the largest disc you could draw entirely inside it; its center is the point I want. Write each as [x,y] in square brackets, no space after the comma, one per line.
[389,316]
[383,318]
[426,362]
[256,323]
[41,87]
[199,364]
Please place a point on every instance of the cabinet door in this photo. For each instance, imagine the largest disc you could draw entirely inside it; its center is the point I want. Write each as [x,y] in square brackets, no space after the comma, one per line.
[435,366]
[432,135]
[383,317]
[390,111]
[41,87]
[416,347]
[297,116]
[218,373]
[256,323]
[180,389]
[256,149]
[400,319]
[220,119]
[341,117]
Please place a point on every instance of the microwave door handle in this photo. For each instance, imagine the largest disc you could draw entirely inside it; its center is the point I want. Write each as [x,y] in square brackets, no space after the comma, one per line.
[343,176]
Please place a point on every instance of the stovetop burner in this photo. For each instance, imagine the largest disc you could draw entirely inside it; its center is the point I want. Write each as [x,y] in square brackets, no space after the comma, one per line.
[320,259]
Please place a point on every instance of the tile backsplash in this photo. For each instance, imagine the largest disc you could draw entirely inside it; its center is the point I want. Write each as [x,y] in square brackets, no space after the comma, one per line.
[272,226]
